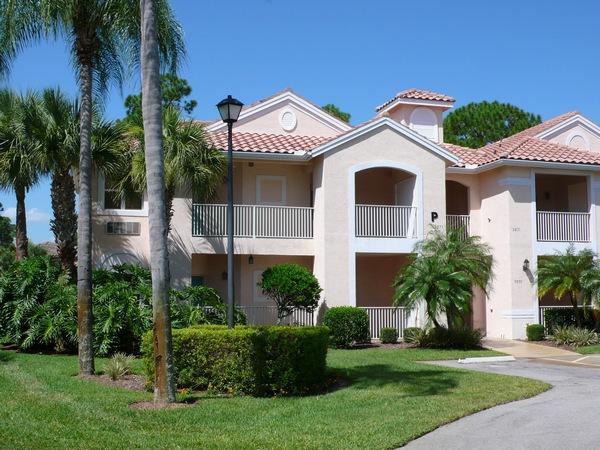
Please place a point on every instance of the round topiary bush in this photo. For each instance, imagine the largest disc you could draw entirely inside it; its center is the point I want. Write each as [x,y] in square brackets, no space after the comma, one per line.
[535,332]
[291,287]
[388,335]
[347,325]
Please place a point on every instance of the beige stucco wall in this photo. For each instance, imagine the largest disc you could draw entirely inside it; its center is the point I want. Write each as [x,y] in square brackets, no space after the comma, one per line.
[564,136]
[335,255]
[374,277]
[268,122]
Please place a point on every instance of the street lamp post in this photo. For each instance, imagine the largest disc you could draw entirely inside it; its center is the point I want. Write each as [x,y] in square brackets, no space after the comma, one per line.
[230,109]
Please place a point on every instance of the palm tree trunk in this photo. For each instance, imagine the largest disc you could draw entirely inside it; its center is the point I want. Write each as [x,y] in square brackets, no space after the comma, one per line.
[84,228]
[21,240]
[164,391]
[64,223]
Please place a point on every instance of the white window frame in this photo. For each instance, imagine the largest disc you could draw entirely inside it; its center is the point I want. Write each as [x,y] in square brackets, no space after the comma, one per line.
[118,212]
[283,179]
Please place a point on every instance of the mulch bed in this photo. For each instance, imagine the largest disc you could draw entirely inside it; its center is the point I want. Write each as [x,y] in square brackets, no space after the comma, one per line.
[131,382]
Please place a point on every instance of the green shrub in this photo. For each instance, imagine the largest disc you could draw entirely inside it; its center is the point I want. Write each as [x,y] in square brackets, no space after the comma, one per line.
[291,287]
[118,366]
[347,325]
[388,335]
[577,337]
[535,332]
[260,361]
[200,305]
[462,338]
[565,317]
[410,334]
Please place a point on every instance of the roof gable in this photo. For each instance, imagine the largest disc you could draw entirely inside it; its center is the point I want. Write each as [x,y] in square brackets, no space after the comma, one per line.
[319,121]
[382,122]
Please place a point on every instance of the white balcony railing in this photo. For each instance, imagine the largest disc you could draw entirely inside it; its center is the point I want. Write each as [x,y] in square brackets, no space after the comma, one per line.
[459,221]
[267,315]
[253,221]
[386,221]
[386,317]
[563,226]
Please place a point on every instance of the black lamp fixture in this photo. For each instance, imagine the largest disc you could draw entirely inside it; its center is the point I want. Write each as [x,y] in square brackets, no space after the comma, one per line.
[229,109]
[526,265]
[251,259]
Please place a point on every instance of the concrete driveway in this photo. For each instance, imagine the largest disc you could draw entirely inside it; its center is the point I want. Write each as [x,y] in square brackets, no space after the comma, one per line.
[565,417]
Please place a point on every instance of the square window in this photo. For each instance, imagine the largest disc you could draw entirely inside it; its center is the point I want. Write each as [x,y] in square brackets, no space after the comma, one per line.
[271,190]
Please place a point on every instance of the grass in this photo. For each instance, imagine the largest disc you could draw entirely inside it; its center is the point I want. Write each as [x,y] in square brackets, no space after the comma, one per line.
[588,349]
[389,400]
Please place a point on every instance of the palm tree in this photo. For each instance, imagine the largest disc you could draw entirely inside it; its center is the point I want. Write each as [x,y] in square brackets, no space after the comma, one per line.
[442,273]
[102,36]
[20,167]
[192,164]
[568,274]
[164,390]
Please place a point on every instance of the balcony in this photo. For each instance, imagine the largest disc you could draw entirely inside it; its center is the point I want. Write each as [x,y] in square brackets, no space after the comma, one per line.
[253,221]
[459,221]
[386,221]
[563,226]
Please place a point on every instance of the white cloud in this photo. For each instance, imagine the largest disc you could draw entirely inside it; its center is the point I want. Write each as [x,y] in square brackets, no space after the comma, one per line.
[34,215]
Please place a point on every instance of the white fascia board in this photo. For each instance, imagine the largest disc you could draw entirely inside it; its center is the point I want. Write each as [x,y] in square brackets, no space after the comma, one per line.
[523,163]
[415,102]
[304,105]
[577,119]
[297,156]
[381,122]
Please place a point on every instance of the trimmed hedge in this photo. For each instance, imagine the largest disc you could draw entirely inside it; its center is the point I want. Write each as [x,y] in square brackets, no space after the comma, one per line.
[388,335]
[348,326]
[565,317]
[463,338]
[259,361]
[535,332]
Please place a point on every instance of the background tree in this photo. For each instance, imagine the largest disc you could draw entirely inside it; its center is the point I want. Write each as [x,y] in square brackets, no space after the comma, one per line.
[477,124]
[103,37]
[174,92]
[445,268]
[192,164]
[337,112]
[291,287]
[565,275]
[152,111]
[20,167]
[7,230]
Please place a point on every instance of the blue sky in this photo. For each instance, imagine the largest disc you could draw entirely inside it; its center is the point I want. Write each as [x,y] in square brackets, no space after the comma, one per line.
[541,56]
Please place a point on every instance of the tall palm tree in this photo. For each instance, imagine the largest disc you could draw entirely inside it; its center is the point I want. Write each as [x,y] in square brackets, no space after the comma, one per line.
[102,35]
[192,164]
[20,167]
[569,274]
[164,390]
[443,271]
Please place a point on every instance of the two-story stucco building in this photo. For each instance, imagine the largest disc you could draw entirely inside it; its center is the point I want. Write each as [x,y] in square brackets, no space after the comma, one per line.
[350,202]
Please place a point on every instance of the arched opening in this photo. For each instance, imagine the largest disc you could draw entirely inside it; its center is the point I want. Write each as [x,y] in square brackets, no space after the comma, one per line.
[457,206]
[386,203]
[424,121]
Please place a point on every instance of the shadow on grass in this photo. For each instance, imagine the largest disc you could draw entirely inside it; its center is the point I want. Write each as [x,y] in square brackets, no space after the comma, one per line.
[6,356]
[419,382]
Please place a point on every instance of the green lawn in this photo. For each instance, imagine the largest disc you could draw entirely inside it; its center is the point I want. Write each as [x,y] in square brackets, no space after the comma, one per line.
[588,350]
[389,400]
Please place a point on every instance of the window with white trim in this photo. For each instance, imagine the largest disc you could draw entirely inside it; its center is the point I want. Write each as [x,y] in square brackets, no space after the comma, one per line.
[111,199]
[271,190]
[424,121]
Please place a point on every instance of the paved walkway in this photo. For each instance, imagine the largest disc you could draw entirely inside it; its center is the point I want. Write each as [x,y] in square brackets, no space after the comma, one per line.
[565,417]
[530,350]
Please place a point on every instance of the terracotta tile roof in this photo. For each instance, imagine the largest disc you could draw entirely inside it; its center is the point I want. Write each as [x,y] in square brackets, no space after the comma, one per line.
[267,143]
[470,156]
[525,146]
[417,94]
